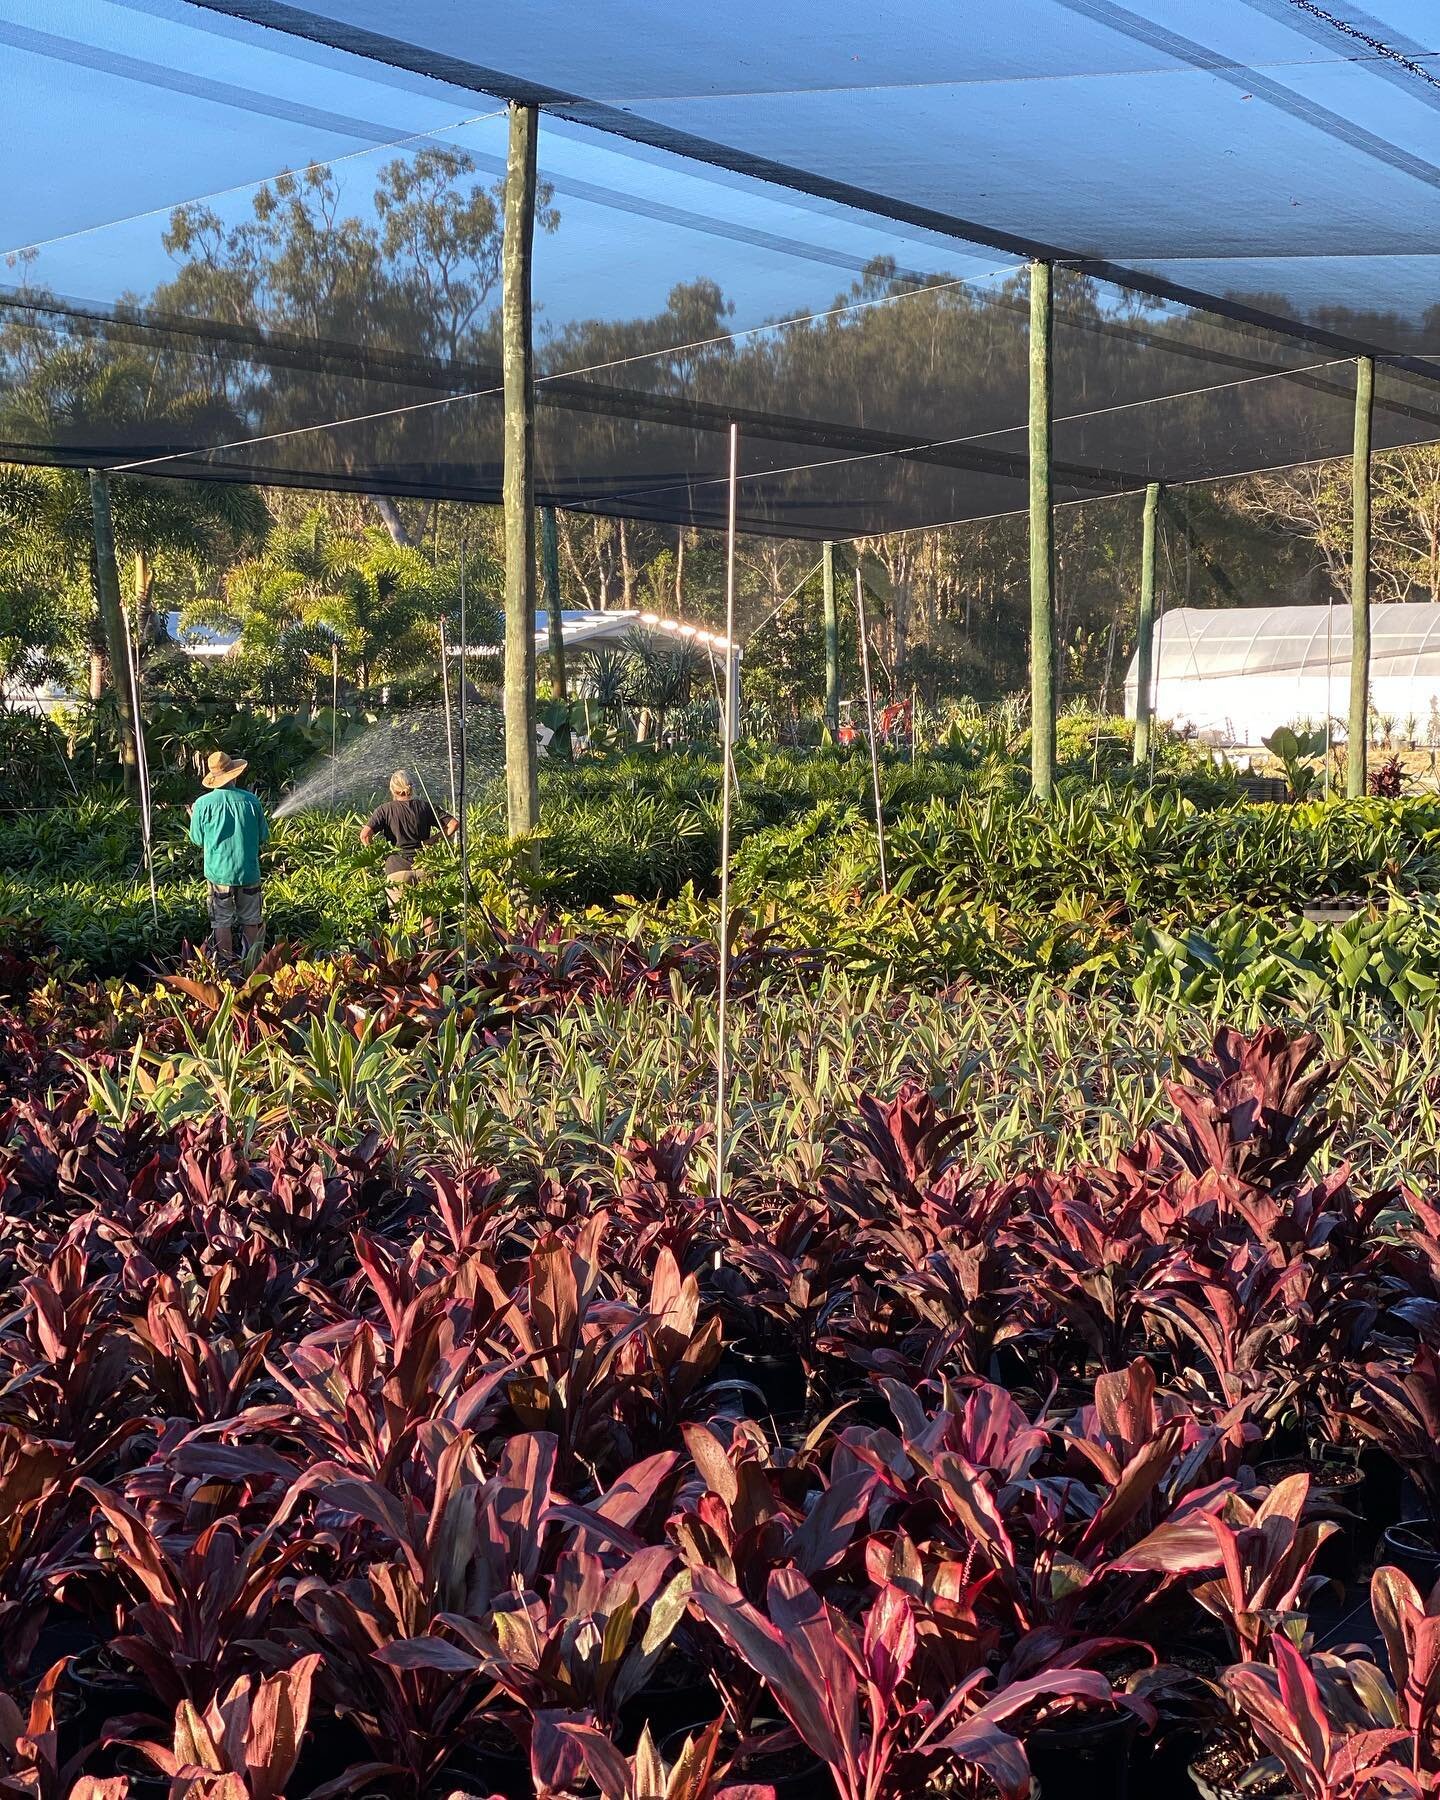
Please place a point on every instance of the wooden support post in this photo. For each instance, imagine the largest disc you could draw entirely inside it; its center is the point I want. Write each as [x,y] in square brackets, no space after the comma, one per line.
[522,791]
[550,571]
[112,621]
[832,640]
[1356,760]
[1042,541]
[1145,628]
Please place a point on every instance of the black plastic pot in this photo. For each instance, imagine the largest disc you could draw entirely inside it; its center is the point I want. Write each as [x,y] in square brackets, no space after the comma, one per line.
[677,1696]
[110,1689]
[780,1378]
[492,1759]
[1211,1787]
[1085,1759]
[792,1769]
[143,1777]
[1337,1493]
[1414,1546]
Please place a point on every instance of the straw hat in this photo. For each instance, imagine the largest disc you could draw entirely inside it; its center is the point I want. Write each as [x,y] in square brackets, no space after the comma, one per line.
[220,768]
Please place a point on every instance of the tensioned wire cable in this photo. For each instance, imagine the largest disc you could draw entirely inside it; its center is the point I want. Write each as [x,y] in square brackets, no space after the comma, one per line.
[1184,481]
[836,462]
[619,362]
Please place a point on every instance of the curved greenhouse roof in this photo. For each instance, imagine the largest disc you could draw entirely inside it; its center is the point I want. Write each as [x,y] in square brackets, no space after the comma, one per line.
[1237,674]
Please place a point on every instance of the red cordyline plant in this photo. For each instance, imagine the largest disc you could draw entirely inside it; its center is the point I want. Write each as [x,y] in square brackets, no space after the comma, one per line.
[59,1162]
[754,1516]
[902,1152]
[1284,1703]
[1235,1315]
[30,1742]
[571,1337]
[780,1277]
[843,1687]
[38,1541]
[562,1747]
[1410,1626]
[1063,1554]
[484,1546]
[587,1646]
[1267,1556]
[951,1262]
[662,1368]
[191,1368]
[243,1746]
[196,1612]
[1408,1270]
[1251,1116]
[1084,1269]
[1399,1409]
[70,1371]
[359,1392]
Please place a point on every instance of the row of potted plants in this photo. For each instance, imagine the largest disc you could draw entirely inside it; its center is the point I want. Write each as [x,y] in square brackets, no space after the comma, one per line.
[325,1472]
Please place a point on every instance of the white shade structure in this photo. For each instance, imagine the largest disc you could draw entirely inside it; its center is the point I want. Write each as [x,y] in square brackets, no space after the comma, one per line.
[1235,675]
[610,630]
[594,630]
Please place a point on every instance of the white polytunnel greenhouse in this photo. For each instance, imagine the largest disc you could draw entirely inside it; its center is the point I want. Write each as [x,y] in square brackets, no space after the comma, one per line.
[1234,675]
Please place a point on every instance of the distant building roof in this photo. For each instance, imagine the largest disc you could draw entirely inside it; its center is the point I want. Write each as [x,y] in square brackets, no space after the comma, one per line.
[200,640]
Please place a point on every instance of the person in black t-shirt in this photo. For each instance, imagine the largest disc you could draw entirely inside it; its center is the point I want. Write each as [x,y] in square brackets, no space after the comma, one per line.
[408,824]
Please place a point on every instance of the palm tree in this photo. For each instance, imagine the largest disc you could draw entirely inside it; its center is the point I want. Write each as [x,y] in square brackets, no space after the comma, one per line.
[378,601]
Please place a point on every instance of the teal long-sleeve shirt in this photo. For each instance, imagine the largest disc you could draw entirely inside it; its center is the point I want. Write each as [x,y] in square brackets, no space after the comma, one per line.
[229,825]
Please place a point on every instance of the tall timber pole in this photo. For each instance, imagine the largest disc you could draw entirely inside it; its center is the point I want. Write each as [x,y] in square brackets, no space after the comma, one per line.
[1042,541]
[1145,627]
[112,622]
[522,792]
[1359,732]
[832,640]
[550,571]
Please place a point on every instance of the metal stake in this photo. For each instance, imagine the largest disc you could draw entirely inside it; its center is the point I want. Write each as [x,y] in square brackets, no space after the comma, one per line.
[334,713]
[142,763]
[870,718]
[1042,541]
[464,832]
[727,778]
[449,723]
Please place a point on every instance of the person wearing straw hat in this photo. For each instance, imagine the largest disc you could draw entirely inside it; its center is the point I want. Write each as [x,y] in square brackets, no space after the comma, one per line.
[408,824]
[228,823]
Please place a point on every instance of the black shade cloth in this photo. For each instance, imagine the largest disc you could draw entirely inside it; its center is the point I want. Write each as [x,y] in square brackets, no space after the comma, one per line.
[820,234]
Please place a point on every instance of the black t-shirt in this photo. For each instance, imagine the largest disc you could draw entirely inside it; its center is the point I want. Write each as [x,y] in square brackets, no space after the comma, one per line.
[407,823]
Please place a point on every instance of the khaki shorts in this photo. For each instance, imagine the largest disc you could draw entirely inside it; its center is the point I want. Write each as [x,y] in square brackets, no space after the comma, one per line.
[235,906]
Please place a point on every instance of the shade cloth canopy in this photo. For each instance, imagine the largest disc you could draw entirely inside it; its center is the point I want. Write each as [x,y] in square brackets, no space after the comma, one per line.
[822,234]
